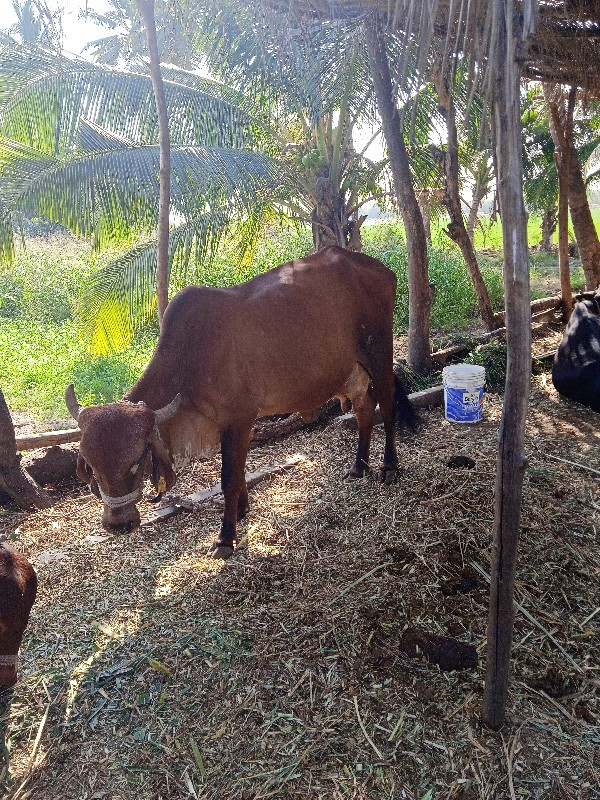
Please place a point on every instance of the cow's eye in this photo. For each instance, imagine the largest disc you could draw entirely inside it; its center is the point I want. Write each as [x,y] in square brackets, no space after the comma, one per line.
[134,469]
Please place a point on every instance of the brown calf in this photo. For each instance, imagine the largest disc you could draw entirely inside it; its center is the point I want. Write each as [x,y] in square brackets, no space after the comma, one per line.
[18,587]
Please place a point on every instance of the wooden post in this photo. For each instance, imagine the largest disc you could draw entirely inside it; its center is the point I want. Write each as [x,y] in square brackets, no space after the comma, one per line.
[13,478]
[146,8]
[511,457]
[420,295]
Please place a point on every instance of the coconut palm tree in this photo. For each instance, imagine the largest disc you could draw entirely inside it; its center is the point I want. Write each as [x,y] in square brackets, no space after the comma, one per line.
[561,107]
[79,145]
[36,24]
[126,41]
[539,169]
[317,82]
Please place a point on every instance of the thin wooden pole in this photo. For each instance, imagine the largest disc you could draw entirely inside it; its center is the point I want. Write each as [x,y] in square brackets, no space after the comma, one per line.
[562,131]
[511,457]
[146,9]
[420,294]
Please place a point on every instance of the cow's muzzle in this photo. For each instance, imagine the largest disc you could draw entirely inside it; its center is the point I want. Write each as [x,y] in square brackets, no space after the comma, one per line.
[122,520]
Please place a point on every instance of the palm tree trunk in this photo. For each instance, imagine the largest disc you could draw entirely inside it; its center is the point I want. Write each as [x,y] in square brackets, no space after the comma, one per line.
[588,242]
[548,228]
[425,201]
[456,229]
[562,168]
[14,481]
[511,455]
[331,223]
[146,8]
[561,129]
[420,294]
[482,187]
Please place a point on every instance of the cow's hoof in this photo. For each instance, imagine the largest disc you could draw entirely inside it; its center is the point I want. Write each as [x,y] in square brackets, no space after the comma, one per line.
[387,476]
[220,551]
[356,474]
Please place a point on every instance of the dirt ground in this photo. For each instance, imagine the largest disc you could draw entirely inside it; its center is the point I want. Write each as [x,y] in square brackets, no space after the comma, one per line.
[150,671]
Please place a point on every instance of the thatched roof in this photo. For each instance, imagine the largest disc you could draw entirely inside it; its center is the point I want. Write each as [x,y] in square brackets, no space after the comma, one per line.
[564,46]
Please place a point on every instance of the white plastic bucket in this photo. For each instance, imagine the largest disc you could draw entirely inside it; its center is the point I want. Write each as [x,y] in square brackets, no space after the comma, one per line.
[463,392]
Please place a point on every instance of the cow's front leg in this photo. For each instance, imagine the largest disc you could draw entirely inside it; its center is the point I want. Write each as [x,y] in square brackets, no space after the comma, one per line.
[364,410]
[234,449]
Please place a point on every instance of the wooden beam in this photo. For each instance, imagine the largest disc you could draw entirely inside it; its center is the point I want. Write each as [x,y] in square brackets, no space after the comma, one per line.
[194,501]
[440,357]
[434,396]
[542,304]
[47,439]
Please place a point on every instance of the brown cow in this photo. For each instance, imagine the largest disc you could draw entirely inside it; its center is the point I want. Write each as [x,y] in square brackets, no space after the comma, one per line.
[18,586]
[285,341]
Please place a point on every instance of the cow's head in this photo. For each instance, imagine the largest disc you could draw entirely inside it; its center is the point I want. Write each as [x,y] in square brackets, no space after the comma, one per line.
[120,446]
[18,586]
[592,297]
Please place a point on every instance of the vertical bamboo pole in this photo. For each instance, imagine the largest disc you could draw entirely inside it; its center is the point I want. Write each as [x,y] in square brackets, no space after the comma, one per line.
[511,457]
[146,9]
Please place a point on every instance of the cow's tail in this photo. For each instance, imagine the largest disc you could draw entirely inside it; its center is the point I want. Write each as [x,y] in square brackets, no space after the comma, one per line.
[404,409]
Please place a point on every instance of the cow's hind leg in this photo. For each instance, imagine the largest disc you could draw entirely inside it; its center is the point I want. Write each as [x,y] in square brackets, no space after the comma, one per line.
[384,389]
[234,449]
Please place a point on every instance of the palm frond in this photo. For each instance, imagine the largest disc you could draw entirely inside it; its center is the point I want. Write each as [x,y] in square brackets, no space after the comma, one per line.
[43,96]
[120,298]
[106,195]
[92,137]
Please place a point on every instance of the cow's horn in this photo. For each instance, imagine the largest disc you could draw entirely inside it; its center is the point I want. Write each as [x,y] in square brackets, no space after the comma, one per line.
[164,414]
[73,403]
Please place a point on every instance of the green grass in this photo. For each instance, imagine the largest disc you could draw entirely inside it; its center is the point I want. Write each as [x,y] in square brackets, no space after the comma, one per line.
[39,360]
[44,279]
[455,304]
[488,235]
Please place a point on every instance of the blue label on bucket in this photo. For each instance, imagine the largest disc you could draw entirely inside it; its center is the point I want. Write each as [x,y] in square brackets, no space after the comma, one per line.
[464,405]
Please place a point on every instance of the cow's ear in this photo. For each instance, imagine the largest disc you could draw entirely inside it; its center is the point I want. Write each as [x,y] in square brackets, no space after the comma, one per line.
[163,477]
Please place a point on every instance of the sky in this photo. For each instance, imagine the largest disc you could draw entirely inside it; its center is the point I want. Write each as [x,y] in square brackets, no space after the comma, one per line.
[77,29]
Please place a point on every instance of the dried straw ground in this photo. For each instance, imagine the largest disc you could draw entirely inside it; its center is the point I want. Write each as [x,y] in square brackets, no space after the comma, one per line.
[150,671]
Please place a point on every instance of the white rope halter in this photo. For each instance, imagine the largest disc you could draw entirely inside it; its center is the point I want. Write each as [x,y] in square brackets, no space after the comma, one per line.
[9,661]
[120,502]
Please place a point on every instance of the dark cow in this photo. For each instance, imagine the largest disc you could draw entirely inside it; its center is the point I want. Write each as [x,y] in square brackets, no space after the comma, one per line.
[576,367]
[285,341]
[18,587]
